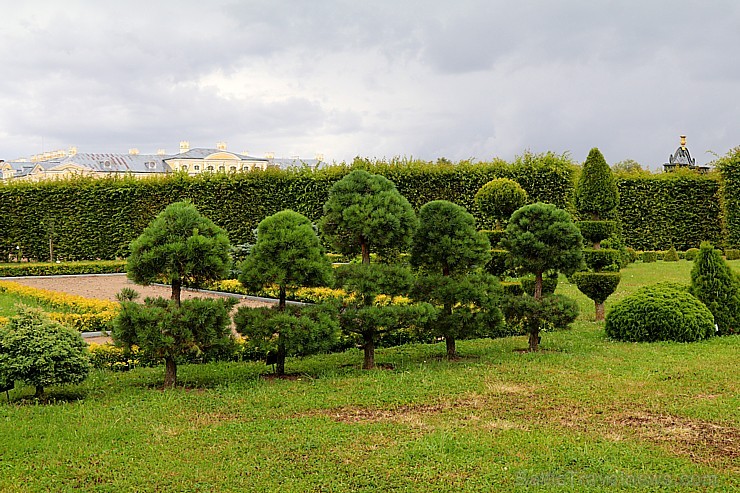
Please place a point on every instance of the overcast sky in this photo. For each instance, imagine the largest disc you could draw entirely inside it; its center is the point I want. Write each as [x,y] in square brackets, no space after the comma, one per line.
[465,79]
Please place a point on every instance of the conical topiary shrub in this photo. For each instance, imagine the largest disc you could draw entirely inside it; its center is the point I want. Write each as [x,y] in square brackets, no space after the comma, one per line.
[715,284]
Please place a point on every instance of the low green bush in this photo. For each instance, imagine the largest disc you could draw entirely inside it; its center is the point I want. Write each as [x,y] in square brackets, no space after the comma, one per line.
[659,313]
[671,255]
[691,254]
[63,268]
[598,286]
[732,253]
[606,259]
[649,256]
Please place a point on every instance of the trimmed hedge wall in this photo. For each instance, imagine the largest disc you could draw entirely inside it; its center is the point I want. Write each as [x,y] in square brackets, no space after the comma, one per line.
[729,167]
[679,209]
[98,218]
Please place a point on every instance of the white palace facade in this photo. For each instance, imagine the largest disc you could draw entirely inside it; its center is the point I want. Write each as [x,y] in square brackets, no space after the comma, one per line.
[70,163]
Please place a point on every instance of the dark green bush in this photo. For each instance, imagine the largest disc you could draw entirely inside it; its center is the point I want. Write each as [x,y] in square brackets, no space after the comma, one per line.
[649,256]
[671,255]
[632,254]
[596,193]
[598,286]
[602,259]
[729,167]
[732,253]
[512,288]
[715,284]
[497,265]
[597,231]
[659,313]
[494,236]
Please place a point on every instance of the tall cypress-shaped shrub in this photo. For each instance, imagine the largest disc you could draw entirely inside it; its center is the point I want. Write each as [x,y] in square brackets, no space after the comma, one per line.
[715,284]
[596,191]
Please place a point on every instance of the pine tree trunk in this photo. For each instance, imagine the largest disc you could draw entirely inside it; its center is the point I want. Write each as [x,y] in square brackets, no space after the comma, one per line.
[369,348]
[280,363]
[534,340]
[538,286]
[365,252]
[170,372]
[451,349]
[176,289]
[599,311]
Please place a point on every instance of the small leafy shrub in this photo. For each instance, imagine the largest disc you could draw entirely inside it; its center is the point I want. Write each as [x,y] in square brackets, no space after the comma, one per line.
[659,313]
[715,284]
[598,286]
[603,259]
[691,254]
[597,231]
[549,284]
[649,256]
[41,352]
[671,255]
[527,315]
[110,357]
[732,253]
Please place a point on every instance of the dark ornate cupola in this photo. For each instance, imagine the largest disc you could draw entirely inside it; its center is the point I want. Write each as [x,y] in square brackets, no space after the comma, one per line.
[682,159]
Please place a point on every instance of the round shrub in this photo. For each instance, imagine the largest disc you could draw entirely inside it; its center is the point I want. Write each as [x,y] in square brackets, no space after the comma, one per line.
[691,254]
[598,286]
[659,313]
[499,198]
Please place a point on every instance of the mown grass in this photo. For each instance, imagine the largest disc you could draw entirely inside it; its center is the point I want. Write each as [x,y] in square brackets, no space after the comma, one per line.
[585,414]
[9,304]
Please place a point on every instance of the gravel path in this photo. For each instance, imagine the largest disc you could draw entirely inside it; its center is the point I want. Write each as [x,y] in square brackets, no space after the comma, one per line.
[105,287]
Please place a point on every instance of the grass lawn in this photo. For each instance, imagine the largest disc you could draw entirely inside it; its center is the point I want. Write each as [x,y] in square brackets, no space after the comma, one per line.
[585,414]
[8,304]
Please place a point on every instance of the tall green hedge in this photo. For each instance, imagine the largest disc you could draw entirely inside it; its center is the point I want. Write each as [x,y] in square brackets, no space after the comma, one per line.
[98,218]
[671,209]
[729,167]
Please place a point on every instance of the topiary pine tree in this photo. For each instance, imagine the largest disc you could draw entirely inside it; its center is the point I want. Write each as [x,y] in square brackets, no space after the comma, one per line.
[540,238]
[182,246]
[499,198]
[596,191]
[41,352]
[451,253]
[715,284]
[365,213]
[288,254]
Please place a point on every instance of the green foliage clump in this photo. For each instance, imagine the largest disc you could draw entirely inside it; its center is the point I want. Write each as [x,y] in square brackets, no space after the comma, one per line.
[364,213]
[294,331]
[732,253]
[596,193]
[715,284]
[649,256]
[499,198]
[40,352]
[180,246]
[603,259]
[659,313]
[597,231]
[671,255]
[497,265]
[494,236]
[164,329]
[598,286]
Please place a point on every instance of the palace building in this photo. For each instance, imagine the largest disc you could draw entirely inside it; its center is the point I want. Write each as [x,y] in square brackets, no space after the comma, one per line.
[69,163]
